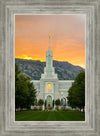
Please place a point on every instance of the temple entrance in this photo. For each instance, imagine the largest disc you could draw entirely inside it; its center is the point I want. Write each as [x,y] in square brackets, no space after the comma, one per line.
[49,101]
[48,104]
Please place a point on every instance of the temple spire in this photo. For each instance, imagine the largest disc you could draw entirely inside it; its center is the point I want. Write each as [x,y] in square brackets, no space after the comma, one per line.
[49,71]
[49,40]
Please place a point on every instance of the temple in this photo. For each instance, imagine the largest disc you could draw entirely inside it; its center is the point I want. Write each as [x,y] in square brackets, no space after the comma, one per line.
[49,87]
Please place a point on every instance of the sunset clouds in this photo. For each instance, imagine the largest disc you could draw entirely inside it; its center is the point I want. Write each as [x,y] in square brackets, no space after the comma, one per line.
[67,37]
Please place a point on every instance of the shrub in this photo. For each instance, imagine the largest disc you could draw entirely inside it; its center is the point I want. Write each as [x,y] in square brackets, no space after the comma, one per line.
[49,108]
[35,109]
[61,108]
[40,102]
[57,102]
[57,108]
[40,108]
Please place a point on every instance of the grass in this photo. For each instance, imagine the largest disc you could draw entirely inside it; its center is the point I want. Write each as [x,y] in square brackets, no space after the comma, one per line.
[49,116]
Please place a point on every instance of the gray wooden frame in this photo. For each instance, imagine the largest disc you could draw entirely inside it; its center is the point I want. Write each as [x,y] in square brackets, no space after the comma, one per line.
[8,125]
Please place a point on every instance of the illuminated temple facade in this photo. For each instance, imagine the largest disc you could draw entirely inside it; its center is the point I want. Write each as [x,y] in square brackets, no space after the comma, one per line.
[49,87]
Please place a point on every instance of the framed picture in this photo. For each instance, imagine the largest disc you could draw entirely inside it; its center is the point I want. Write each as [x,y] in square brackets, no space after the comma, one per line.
[9,11]
[50,67]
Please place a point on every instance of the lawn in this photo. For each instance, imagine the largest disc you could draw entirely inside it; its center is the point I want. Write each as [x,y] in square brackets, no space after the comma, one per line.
[49,116]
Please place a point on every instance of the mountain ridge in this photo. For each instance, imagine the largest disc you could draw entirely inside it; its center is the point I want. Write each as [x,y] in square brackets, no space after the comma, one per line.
[34,69]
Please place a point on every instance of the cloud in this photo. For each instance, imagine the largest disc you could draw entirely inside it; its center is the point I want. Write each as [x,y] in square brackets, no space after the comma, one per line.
[67,36]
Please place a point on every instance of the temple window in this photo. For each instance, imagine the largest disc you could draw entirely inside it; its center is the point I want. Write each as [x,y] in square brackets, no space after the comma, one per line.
[49,88]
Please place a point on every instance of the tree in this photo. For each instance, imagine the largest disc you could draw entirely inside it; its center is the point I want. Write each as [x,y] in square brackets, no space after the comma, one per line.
[25,93]
[21,92]
[45,103]
[53,103]
[76,93]
[35,102]
[31,98]
[57,102]
[40,102]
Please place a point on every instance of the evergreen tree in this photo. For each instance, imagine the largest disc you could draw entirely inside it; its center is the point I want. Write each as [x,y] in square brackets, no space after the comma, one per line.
[76,93]
[53,103]
[25,93]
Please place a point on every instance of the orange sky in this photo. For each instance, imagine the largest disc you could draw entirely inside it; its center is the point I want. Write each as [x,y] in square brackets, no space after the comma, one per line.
[67,37]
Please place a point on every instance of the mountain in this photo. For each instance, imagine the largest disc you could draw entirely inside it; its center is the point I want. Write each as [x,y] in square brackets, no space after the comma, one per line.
[34,69]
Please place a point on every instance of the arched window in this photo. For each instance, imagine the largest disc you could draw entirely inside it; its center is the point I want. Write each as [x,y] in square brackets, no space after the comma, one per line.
[49,88]
[64,101]
[49,101]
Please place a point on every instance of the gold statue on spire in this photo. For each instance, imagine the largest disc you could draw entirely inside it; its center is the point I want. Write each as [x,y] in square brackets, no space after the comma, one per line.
[49,34]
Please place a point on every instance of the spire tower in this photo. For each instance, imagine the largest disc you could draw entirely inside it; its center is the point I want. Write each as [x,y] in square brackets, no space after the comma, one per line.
[49,71]
[49,40]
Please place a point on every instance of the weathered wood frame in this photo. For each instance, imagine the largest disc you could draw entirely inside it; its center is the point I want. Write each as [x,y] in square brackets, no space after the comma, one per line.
[8,125]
